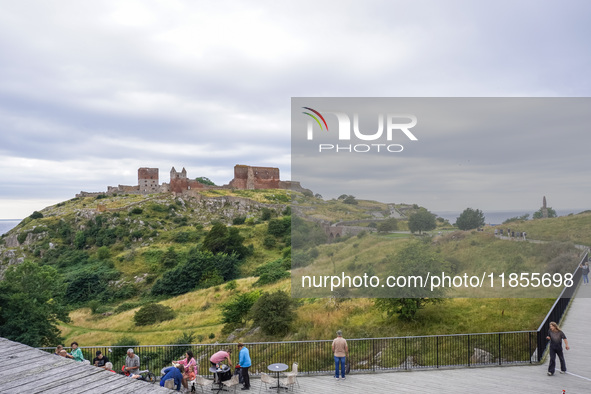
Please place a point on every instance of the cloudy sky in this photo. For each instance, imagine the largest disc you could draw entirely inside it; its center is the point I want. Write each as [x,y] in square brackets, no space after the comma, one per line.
[89,92]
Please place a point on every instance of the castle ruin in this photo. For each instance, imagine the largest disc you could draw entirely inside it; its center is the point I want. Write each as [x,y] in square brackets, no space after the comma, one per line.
[245,178]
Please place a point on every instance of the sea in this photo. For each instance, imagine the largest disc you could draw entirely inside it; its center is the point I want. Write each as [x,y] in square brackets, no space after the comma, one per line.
[494,218]
[8,224]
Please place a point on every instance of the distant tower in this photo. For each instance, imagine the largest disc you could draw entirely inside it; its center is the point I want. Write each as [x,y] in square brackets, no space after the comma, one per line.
[178,175]
[148,180]
[544,208]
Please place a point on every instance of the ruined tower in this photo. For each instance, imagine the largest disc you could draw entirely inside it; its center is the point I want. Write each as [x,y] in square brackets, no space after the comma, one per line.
[148,180]
[544,208]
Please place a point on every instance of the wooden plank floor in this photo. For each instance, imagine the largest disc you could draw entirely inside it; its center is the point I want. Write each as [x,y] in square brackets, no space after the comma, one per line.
[24,369]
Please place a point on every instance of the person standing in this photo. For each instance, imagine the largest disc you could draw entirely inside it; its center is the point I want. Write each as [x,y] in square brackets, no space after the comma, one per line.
[340,351]
[245,363]
[556,336]
[585,272]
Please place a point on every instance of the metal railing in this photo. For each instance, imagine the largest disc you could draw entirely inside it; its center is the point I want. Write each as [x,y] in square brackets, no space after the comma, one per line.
[557,311]
[365,355]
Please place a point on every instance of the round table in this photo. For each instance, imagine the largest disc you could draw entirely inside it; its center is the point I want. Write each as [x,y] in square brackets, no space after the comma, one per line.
[220,385]
[278,368]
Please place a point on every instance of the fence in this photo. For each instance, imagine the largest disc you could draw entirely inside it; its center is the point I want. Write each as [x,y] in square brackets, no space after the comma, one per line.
[368,354]
[365,355]
[557,311]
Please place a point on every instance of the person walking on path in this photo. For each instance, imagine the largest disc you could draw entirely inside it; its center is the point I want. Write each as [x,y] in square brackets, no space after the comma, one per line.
[245,363]
[585,272]
[340,351]
[555,335]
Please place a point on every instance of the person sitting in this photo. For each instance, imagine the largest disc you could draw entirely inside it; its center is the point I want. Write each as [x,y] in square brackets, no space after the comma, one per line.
[191,374]
[65,354]
[58,350]
[100,360]
[189,363]
[76,352]
[175,373]
[132,363]
[109,367]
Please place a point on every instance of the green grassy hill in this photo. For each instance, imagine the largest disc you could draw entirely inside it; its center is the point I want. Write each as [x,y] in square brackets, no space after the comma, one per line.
[113,250]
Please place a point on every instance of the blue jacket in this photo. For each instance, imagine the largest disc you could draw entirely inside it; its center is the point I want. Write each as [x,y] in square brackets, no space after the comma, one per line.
[244,358]
[172,373]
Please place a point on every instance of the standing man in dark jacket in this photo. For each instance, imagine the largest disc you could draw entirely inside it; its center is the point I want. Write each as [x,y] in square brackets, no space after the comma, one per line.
[556,336]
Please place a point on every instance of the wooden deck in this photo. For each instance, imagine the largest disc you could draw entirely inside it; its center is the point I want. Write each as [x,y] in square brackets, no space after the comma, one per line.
[24,369]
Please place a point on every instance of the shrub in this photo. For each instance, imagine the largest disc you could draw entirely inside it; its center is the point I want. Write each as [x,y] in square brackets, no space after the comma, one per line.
[239,220]
[266,214]
[21,237]
[153,313]
[274,313]
[36,215]
[279,227]
[136,211]
[269,241]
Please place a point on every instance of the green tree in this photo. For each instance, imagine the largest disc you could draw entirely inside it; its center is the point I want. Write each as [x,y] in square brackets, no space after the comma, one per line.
[169,258]
[220,239]
[415,259]
[539,215]
[470,219]
[153,313]
[422,220]
[235,311]
[387,225]
[36,215]
[32,303]
[274,313]
[205,181]
[350,200]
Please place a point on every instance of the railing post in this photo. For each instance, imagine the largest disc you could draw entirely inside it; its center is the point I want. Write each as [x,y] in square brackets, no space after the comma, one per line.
[469,349]
[500,354]
[405,355]
[437,350]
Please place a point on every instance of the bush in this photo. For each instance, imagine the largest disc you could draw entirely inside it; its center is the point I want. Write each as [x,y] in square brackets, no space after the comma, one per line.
[36,215]
[153,313]
[239,220]
[269,241]
[192,271]
[274,313]
[136,211]
[266,214]
[236,311]
[21,237]
[279,227]
[272,272]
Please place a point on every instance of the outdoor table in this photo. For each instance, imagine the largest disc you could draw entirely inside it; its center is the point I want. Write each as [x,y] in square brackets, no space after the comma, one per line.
[278,367]
[219,384]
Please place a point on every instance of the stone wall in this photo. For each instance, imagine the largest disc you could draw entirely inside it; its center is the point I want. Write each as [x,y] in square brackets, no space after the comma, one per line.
[249,178]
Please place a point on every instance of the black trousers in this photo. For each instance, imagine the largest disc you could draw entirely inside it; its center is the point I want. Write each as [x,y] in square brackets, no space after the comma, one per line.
[244,372]
[553,352]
